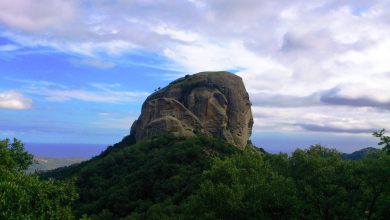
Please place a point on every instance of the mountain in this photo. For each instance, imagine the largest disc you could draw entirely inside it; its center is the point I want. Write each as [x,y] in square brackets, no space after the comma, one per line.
[211,103]
[182,128]
[188,156]
[357,155]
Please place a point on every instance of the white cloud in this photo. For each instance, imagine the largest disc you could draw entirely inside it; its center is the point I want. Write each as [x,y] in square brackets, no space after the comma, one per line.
[89,48]
[104,114]
[93,62]
[32,15]
[176,34]
[99,93]
[349,119]
[375,92]
[203,56]
[14,100]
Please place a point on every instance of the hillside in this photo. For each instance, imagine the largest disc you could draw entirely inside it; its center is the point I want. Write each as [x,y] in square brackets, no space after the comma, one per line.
[360,154]
[50,163]
[202,177]
[132,179]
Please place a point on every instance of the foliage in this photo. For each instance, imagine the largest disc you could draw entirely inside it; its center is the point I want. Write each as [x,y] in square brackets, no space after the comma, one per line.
[151,178]
[311,184]
[384,140]
[13,157]
[206,178]
[373,175]
[25,196]
[243,186]
[324,184]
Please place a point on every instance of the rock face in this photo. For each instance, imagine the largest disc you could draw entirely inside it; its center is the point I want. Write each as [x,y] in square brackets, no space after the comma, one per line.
[212,103]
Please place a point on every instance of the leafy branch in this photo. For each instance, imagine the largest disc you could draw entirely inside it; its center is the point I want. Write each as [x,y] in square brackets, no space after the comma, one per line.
[384,140]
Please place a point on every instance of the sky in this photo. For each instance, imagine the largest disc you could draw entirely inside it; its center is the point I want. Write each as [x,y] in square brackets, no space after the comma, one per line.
[78,71]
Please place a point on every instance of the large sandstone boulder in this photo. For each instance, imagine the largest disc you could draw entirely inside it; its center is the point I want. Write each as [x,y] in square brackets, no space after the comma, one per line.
[212,103]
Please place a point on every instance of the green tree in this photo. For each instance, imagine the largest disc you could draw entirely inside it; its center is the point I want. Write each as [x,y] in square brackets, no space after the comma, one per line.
[373,175]
[25,196]
[243,187]
[384,140]
[13,157]
[325,183]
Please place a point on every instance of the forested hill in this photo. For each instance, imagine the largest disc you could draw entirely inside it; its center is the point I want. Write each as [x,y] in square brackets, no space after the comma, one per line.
[358,155]
[138,180]
[206,178]
[50,163]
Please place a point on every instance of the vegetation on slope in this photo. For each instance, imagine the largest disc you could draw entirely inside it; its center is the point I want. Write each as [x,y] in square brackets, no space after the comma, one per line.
[360,154]
[198,178]
[143,179]
[206,178]
[311,184]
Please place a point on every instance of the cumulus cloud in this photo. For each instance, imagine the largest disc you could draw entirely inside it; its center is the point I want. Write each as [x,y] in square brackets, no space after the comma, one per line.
[300,60]
[14,100]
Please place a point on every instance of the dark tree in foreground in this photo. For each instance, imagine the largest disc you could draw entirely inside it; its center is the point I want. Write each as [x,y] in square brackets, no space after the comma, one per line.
[25,196]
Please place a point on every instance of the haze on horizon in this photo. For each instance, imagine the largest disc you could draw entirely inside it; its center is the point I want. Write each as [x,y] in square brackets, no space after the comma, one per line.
[78,71]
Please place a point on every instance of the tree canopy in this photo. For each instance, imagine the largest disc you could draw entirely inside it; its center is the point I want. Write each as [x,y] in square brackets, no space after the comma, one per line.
[206,178]
[169,177]
[26,196]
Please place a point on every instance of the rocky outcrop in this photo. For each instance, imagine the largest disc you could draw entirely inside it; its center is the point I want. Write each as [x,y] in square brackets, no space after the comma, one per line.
[212,103]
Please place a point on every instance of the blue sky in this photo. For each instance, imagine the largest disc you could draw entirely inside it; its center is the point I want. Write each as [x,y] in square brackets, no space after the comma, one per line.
[78,71]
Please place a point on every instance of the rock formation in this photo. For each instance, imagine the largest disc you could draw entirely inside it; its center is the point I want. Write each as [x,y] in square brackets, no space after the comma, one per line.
[212,103]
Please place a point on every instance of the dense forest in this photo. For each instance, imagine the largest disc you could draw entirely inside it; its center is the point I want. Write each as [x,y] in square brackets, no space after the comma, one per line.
[169,177]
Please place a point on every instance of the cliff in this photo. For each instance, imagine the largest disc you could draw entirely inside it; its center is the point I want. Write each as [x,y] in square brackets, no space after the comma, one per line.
[211,103]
